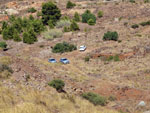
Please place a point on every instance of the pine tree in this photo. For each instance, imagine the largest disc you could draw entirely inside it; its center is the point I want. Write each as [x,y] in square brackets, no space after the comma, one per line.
[76,17]
[50,12]
[16,36]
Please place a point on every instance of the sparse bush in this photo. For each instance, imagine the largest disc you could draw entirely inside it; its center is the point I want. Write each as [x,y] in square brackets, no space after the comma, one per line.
[50,24]
[31,18]
[63,47]
[53,33]
[65,18]
[134,26]
[31,10]
[146,1]
[95,98]
[87,15]
[3,45]
[4,67]
[57,84]
[50,12]
[91,22]
[39,14]
[63,23]
[132,1]
[145,23]
[114,58]
[87,59]
[110,36]
[76,17]
[74,26]
[100,14]
[70,5]
[67,29]
[112,98]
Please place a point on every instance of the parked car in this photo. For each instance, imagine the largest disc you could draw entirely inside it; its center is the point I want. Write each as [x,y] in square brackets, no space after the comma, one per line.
[82,48]
[64,61]
[52,60]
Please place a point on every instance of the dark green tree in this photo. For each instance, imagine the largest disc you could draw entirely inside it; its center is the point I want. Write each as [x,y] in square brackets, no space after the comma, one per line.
[50,12]
[110,36]
[87,15]
[57,84]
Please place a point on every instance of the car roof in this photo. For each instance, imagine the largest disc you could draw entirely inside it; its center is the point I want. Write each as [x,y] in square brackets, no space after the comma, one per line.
[63,58]
[52,59]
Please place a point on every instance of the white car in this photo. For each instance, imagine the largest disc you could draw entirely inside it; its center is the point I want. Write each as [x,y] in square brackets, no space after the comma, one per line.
[82,48]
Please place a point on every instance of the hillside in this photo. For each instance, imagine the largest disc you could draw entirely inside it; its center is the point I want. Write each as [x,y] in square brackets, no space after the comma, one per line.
[115,64]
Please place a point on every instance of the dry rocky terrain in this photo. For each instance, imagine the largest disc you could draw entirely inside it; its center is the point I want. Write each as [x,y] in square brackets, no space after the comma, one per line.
[128,79]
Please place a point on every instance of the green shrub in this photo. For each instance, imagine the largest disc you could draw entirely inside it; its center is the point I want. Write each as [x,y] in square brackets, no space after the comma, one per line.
[16,25]
[100,14]
[91,22]
[70,5]
[76,17]
[112,98]
[87,59]
[95,98]
[4,67]
[110,36]
[3,45]
[50,24]
[134,26]
[38,26]
[63,23]
[114,58]
[145,23]
[4,25]
[16,36]
[29,37]
[65,18]
[57,84]
[63,47]
[31,18]
[132,1]
[7,33]
[53,33]
[67,29]
[74,26]
[87,15]
[39,14]
[146,1]
[50,12]
[31,10]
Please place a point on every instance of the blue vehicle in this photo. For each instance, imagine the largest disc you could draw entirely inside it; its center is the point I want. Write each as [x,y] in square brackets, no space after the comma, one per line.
[52,60]
[64,61]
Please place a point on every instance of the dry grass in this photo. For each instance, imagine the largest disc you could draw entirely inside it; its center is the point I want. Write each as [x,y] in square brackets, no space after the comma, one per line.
[5,60]
[48,101]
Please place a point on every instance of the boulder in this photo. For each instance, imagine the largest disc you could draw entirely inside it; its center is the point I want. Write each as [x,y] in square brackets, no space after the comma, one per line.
[12,11]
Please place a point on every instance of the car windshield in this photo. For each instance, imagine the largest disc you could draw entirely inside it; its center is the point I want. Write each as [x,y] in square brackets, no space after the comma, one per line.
[64,59]
[52,59]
